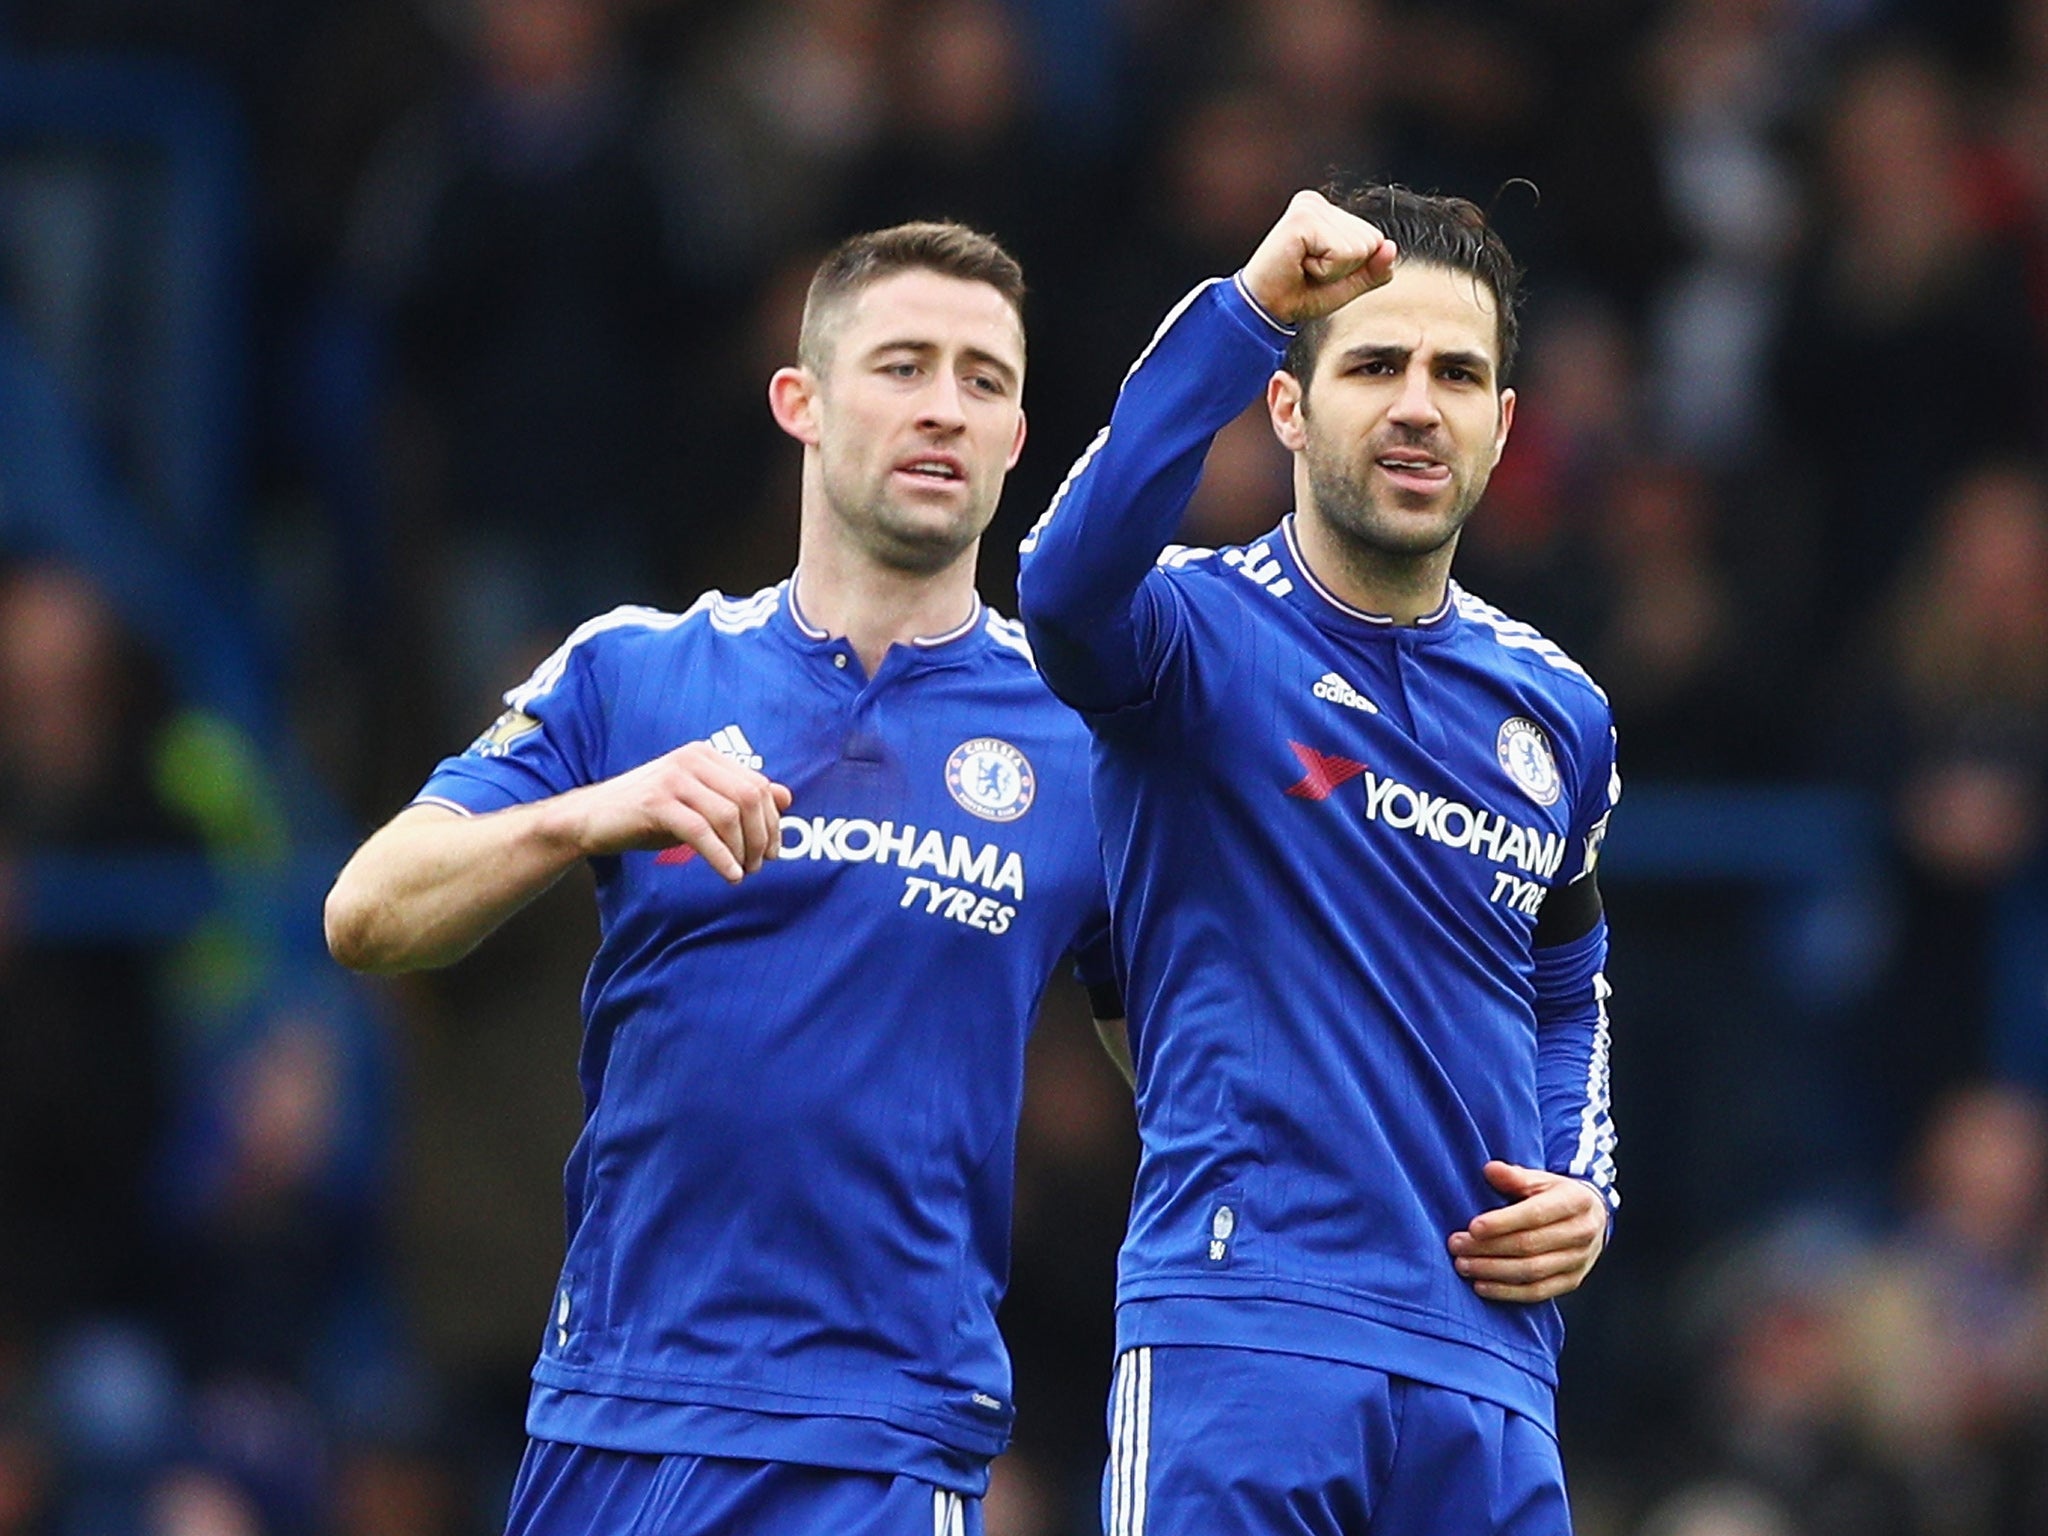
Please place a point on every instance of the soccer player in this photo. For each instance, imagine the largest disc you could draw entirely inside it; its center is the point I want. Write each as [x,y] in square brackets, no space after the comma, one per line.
[1350,816]
[841,836]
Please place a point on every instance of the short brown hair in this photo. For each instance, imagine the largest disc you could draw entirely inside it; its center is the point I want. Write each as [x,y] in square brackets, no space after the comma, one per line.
[1436,231]
[951,250]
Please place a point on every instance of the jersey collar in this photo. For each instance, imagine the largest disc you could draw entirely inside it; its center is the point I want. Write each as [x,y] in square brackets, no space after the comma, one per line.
[1309,594]
[951,642]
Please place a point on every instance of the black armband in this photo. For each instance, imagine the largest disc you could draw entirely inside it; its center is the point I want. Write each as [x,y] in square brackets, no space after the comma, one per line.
[1568,912]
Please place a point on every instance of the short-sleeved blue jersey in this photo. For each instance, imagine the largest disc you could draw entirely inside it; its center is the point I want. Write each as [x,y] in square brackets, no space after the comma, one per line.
[1328,838]
[789,1207]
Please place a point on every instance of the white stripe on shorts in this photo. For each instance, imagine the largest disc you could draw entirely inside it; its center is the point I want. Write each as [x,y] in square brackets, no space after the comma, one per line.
[1130,1446]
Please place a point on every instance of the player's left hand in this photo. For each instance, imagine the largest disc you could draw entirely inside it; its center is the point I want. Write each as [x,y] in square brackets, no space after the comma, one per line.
[1540,1246]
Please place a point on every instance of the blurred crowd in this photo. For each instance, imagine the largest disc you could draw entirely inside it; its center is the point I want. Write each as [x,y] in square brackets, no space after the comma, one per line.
[518,273]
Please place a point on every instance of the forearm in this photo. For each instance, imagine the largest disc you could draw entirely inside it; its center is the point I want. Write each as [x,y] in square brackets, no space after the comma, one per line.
[430,885]
[1122,504]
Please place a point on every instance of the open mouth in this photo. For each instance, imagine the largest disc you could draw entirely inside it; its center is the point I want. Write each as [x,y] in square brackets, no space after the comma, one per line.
[933,471]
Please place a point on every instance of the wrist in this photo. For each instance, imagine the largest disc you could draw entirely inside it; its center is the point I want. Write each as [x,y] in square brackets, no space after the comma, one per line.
[1265,308]
[556,829]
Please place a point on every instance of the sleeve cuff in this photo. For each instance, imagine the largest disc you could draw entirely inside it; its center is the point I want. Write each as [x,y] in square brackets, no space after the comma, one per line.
[1237,282]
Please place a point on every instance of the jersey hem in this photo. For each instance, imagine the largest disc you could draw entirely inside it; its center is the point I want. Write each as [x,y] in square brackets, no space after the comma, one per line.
[1278,1325]
[725,1396]
[844,1443]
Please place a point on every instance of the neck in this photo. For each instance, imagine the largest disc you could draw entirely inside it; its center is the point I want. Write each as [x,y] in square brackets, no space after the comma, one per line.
[849,593]
[1405,588]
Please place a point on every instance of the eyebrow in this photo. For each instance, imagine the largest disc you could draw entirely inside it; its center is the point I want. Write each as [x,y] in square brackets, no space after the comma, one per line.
[1369,352]
[973,354]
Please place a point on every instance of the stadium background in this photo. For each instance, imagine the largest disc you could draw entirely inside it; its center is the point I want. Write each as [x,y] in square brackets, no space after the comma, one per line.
[351,350]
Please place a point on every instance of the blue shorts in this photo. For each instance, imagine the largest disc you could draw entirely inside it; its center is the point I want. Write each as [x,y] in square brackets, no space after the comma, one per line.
[578,1490]
[1238,1442]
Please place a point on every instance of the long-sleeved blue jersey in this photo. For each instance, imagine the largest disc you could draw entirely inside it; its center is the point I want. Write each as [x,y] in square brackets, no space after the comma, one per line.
[789,1208]
[1328,838]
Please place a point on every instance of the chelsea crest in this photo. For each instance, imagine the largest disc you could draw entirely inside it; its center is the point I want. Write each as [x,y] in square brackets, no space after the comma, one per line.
[1525,754]
[991,779]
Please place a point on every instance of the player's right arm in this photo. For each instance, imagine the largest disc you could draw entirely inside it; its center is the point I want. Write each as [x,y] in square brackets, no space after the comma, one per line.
[432,882]
[1080,582]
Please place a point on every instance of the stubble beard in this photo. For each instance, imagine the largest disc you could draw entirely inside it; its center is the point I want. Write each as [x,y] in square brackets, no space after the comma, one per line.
[1373,536]
[895,537]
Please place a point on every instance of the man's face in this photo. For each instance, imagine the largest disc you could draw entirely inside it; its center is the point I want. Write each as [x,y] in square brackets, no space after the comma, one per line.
[918,415]
[1403,421]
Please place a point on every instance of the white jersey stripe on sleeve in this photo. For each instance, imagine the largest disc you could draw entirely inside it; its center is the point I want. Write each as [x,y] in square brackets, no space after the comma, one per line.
[1594,1158]
[1009,633]
[1517,636]
[730,616]
[1087,454]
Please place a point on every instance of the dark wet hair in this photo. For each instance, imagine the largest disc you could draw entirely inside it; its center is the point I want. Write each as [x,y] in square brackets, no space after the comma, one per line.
[1438,231]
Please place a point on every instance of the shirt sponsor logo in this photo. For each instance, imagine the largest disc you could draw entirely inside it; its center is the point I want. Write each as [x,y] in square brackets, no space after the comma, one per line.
[1438,818]
[1333,688]
[1525,753]
[989,778]
[855,840]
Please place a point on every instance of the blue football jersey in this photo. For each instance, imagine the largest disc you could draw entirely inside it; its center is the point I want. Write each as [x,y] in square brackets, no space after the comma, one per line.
[789,1207]
[1328,838]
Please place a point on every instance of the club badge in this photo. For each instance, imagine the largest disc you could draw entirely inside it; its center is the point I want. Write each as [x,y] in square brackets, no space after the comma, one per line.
[991,779]
[1525,754]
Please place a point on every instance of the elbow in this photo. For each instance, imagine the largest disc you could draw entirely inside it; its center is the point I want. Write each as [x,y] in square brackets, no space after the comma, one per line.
[352,931]
[347,931]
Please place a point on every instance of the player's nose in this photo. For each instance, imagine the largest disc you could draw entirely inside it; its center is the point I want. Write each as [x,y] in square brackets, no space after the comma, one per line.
[943,405]
[1416,403]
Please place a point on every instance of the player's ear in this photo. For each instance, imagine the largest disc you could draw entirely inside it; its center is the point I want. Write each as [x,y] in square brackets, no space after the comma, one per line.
[1507,420]
[793,401]
[1016,444]
[1286,405]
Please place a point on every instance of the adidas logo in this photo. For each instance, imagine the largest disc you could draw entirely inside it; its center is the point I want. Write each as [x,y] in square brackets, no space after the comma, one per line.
[732,742]
[1333,688]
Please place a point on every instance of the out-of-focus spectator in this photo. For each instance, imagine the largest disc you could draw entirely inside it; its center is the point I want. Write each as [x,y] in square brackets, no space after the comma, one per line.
[1466,96]
[1246,484]
[1334,54]
[957,141]
[2021,169]
[1724,1508]
[274,1213]
[1969,642]
[1945,714]
[1725,78]
[1944,1324]
[515,231]
[27,1491]
[763,121]
[1777,1417]
[1901,289]
[82,1048]
[195,1501]
[1675,662]
[1531,546]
